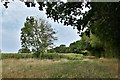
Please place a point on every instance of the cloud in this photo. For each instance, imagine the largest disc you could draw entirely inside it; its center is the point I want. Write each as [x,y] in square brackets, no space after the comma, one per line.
[0,35]
[16,14]
[10,40]
[65,34]
[13,19]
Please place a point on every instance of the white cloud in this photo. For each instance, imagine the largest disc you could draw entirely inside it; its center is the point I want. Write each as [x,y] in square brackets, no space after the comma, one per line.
[13,19]
[65,34]
[17,12]
[10,40]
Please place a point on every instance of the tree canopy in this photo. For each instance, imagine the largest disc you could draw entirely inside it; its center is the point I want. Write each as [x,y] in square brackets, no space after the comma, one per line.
[37,35]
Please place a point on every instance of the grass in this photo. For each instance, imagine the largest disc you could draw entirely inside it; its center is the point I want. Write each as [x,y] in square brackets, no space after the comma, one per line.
[60,68]
[70,56]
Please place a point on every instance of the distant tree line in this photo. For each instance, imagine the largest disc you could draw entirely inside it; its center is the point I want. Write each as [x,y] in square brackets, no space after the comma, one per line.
[88,46]
[78,47]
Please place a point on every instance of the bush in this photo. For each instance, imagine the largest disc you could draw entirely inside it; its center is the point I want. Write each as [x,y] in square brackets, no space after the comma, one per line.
[70,56]
[5,56]
[17,56]
[50,56]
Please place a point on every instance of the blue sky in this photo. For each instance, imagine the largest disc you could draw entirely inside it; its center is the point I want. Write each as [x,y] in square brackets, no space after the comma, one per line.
[12,20]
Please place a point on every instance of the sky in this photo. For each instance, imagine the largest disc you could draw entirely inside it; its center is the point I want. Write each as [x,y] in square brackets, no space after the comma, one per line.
[12,20]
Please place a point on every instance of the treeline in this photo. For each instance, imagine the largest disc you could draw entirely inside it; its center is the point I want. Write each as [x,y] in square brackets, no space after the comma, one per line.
[88,46]
[78,47]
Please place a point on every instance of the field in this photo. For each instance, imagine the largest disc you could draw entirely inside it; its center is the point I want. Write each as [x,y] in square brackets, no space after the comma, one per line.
[59,68]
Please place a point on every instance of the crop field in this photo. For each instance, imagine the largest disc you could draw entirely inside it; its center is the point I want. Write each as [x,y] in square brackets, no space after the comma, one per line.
[59,68]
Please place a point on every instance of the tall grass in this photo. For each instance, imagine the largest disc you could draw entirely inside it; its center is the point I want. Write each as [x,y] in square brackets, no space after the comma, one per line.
[63,68]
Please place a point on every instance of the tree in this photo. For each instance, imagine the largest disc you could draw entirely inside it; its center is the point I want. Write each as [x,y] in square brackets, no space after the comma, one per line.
[24,50]
[51,50]
[60,49]
[98,47]
[0,50]
[79,46]
[37,35]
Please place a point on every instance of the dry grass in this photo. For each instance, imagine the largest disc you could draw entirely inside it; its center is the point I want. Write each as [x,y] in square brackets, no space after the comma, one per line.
[111,63]
[63,68]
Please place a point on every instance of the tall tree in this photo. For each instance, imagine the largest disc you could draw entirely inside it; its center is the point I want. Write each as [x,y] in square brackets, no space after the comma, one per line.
[37,35]
[79,46]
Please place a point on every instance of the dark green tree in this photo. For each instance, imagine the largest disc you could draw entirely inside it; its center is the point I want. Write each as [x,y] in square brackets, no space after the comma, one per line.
[51,50]
[37,35]
[60,49]
[24,50]
[98,47]
[79,46]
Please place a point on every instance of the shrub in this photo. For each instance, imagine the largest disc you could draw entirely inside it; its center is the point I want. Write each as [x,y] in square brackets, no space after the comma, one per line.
[50,56]
[17,56]
[70,56]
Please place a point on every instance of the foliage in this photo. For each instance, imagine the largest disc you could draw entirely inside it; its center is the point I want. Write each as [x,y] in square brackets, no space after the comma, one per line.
[60,49]
[98,47]
[75,47]
[50,56]
[37,34]
[78,46]
[73,56]
[70,56]
[102,19]
[24,50]
[16,56]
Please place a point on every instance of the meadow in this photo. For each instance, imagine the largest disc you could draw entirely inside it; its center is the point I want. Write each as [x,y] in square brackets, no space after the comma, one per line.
[63,67]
